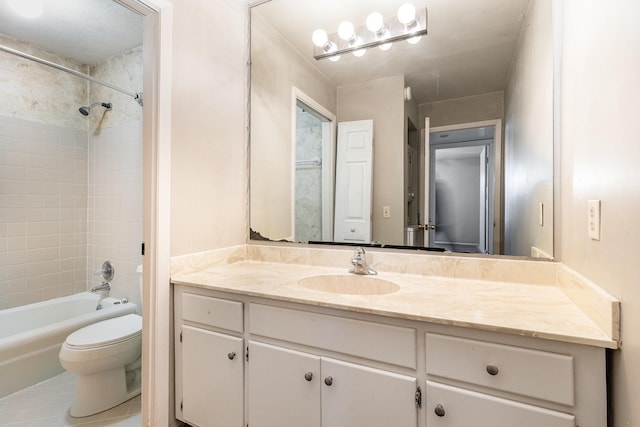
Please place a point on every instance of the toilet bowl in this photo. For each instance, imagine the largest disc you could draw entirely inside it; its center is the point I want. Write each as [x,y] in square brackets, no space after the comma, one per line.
[105,358]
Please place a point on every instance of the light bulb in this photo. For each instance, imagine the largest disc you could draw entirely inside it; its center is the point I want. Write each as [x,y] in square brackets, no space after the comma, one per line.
[319,38]
[360,52]
[334,58]
[27,8]
[346,31]
[407,14]
[385,46]
[414,40]
[375,22]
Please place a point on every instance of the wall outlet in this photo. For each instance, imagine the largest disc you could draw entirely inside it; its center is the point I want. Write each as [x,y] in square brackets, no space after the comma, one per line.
[594,219]
[386,212]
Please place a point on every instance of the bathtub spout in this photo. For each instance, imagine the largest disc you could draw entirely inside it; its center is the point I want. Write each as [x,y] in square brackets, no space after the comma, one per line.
[104,286]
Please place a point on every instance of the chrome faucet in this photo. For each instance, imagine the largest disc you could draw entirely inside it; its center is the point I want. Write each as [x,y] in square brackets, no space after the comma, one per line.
[359,262]
[104,286]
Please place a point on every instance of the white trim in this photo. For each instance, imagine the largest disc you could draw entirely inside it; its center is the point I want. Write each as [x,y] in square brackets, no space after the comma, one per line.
[328,162]
[157,409]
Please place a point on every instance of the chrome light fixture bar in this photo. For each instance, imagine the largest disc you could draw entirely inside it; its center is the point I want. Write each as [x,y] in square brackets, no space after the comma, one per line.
[409,24]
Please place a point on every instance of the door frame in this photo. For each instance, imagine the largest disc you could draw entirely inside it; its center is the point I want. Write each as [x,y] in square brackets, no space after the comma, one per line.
[498,179]
[157,393]
[328,162]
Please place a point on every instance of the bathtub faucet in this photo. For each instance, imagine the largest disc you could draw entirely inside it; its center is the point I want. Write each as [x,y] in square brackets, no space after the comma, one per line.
[104,286]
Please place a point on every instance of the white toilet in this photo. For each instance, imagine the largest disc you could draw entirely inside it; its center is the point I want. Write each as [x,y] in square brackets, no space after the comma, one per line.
[106,360]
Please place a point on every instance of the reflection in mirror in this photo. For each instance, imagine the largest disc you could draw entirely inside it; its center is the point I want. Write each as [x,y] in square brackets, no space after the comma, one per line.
[484,66]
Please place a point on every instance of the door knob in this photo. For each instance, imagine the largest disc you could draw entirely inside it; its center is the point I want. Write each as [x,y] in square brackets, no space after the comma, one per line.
[439,410]
[328,381]
[231,355]
[308,376]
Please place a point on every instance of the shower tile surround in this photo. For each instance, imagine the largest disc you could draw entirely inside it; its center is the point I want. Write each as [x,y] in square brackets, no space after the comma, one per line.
[70,186]
[514,296]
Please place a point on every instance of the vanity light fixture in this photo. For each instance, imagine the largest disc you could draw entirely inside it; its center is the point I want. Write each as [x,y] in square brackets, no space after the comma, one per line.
[408,24]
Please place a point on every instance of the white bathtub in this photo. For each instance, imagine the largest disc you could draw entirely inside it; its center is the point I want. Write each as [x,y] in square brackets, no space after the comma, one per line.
[31,336]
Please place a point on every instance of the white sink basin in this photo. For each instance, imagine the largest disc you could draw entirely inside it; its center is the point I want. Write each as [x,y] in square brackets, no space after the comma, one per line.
[349,284]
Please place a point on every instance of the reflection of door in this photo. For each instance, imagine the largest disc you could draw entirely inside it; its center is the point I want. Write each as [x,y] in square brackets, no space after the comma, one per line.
[354,182]
[312,192]
[461,200]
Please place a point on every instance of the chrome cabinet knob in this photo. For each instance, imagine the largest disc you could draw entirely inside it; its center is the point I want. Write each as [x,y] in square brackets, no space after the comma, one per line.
[308,376]
[231,355]
[492,369]
[439,410]
[328,381]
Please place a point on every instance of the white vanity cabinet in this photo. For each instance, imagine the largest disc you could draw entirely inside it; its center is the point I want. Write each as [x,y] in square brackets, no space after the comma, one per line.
[209,360]
[293,388]
[249,360]
[476,383]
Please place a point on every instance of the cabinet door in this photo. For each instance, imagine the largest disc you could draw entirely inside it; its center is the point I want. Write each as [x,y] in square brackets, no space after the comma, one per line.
[212,378]
[359,396]
[449,406]
[284,387]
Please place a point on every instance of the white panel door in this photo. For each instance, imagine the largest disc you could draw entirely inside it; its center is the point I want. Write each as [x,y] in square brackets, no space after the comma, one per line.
[449,406]
[354,182]
[212,378]
[284,387]
[359,396]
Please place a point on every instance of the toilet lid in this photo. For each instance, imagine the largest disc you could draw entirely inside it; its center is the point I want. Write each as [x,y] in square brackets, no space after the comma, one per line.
[106,332]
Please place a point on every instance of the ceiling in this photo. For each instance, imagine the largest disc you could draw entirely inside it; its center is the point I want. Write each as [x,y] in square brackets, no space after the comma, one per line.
[468,49]
[87,31]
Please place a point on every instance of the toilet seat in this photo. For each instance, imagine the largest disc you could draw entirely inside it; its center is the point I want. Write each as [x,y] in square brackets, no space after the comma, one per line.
[106,333]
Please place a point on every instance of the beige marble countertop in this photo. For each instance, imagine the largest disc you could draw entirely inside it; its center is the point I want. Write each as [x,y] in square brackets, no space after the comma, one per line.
[542,311]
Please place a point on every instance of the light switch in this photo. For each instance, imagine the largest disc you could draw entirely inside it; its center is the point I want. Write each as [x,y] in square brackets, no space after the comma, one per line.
[594,219]
[386,211]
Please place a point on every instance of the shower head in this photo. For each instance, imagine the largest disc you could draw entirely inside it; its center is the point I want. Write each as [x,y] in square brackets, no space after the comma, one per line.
[85,110]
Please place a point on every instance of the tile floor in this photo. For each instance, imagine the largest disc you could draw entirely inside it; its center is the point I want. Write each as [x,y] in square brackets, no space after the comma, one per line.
[47,404]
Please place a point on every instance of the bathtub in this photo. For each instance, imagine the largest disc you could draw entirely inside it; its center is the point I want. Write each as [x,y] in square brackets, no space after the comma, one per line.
[31,336]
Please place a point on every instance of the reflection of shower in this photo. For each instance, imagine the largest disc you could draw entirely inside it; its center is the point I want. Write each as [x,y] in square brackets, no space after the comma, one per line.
[86,110]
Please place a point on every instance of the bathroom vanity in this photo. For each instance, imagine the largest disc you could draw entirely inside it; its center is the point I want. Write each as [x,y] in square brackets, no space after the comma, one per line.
[256,345]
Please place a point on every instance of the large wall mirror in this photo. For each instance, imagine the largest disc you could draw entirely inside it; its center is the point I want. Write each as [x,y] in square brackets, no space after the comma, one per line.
[443,141]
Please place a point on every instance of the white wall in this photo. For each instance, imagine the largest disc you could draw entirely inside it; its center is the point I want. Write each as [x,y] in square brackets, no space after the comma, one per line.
[383,101]
[208,140]
[276,68]
[599,154]
[528,137]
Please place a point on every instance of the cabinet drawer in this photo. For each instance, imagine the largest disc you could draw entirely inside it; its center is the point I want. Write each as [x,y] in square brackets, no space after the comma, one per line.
[214,312]
[390,344]
[453,407]
[537,374]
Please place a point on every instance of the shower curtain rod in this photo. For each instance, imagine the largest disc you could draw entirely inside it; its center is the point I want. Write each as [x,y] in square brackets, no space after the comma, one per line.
[137,96]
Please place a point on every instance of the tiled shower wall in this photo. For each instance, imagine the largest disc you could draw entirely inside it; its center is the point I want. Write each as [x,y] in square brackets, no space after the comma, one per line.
[70,186]
[43,211]
[115,176]
[308,190]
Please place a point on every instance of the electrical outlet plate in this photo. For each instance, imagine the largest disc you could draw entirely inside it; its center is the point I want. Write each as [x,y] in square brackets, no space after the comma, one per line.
[594,219]
[386,211]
